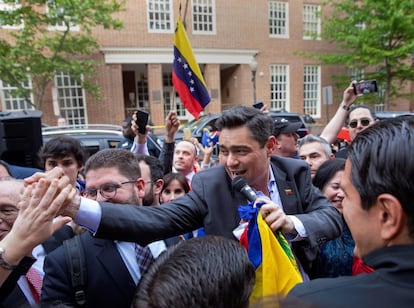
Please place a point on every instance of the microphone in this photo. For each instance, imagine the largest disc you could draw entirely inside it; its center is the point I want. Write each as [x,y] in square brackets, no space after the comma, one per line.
[239,183]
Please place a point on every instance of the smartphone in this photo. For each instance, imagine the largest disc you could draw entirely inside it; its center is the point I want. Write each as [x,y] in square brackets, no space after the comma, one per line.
[258,105]
[365,87]
[187,133]
[142,121]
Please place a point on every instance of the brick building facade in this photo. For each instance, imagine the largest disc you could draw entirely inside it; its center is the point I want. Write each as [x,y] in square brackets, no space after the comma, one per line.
[135,63]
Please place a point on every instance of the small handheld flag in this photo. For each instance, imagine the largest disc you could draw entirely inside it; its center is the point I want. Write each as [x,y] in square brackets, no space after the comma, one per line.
[276,268]
[209,138]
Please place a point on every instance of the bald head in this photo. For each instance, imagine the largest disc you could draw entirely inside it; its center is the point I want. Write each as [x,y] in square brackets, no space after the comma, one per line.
[185,156]
[10,191]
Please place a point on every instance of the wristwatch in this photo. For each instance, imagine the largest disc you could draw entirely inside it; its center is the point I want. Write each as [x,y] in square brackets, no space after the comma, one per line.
[345,107]
[3,263]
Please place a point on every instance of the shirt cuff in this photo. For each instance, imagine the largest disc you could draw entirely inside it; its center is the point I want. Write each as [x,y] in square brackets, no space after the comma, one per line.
[300,229]
[89,214]
[139,148]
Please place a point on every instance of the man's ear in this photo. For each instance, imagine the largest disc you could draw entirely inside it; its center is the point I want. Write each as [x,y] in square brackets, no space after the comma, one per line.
[271,144]
[140,185]
[393,220]
[157,186]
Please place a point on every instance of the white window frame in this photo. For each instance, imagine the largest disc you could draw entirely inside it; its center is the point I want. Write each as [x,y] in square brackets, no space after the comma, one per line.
[160,8]
[312,90]
[280,81]
[60,27]
[172,100]
[69,104]
[277,9]
[311,21]
[14,102]
[11,7]
[211,17]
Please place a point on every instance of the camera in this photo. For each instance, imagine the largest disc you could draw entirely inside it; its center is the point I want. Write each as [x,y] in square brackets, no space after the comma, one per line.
[258,105]
[365,87]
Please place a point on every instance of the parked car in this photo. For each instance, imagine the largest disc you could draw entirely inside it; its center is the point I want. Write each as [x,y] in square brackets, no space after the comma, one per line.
[95,137]
[381,115]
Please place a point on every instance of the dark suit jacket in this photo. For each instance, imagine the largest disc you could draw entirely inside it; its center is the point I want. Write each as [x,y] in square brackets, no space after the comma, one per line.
[10,294]
[212,203]
[109,283]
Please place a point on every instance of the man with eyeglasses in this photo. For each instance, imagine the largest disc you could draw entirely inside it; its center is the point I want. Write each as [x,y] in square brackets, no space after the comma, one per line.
[23,289]
[113,268]
[358,117]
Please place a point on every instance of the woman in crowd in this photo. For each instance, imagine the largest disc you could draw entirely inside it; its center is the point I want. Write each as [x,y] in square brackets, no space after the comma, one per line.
[175,186]
[336,256]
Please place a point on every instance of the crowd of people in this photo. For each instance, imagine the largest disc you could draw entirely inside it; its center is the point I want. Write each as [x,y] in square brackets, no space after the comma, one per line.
[126,228]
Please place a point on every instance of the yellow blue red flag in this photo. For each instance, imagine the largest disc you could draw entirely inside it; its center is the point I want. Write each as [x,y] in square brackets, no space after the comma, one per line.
[276,268]
[186,76]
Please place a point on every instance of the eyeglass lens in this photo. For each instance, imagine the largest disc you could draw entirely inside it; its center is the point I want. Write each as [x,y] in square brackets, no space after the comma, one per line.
[364,122]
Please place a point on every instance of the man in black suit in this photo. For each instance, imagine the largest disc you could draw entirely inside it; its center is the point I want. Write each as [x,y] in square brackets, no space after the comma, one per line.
[112,268]
[246,143]
[378,207]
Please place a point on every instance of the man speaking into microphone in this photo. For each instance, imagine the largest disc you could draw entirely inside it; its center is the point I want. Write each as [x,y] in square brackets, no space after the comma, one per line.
[246,143]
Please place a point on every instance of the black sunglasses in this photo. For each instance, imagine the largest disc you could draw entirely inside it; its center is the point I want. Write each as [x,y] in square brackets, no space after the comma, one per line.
[364,122]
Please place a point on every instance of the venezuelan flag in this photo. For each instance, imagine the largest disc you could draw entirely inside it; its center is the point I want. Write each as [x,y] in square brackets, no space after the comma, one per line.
[186,76]
[276,269]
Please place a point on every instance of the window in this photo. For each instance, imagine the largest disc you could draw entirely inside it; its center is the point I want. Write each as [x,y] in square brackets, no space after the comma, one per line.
[11,101]
[172,100]
[279,87]
[356,74]
[279,19]
[71,99]
[311,21]
[312,90]
[142,89]
[160,18]
[6,20]
[204,21]
[60,21]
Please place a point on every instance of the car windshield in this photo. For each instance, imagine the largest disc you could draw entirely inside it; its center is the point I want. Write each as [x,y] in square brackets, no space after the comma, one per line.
[193,124]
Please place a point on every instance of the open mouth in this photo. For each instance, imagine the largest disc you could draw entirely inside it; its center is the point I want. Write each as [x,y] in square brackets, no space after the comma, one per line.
[237,173]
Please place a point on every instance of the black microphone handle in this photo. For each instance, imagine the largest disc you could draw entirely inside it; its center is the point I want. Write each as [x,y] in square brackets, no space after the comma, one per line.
[249,193]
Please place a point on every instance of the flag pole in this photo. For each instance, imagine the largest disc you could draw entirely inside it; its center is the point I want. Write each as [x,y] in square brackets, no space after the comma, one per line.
[185,12]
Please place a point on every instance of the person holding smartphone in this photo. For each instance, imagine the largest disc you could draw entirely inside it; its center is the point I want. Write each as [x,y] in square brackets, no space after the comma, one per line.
[358,118]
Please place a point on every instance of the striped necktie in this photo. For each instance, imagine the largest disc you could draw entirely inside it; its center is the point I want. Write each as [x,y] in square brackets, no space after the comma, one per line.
[144,257]
[35,282]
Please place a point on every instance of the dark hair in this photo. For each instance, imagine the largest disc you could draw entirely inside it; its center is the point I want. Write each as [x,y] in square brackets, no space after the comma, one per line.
[381,160]
[61,146]
[210,271]
[369,108]
[169,177]
[125,161]
[128,121]
[327,171]
[154,164]
[260,124]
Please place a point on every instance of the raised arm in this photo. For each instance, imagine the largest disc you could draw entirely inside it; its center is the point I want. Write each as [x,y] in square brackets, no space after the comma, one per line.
[35,223]
[331,130]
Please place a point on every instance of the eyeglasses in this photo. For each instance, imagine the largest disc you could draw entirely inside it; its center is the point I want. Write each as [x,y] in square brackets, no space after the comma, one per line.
[107,191]
[364,122]
[8,212]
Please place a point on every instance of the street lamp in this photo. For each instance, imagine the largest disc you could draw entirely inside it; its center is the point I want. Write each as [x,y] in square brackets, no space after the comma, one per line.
[253,68]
